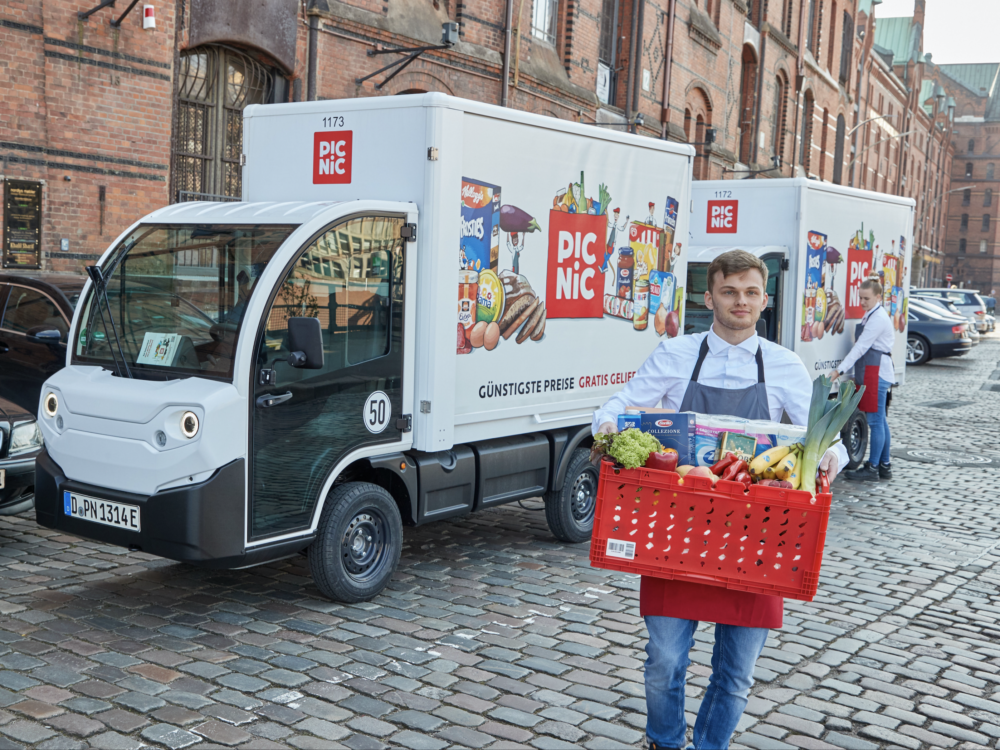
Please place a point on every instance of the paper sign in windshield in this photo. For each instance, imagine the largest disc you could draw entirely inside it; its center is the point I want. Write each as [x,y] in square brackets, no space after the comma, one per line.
[159,349]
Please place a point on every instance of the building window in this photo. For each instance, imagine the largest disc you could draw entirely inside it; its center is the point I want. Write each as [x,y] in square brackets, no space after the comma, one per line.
[807,122]
[983,245]
[986,222]
[968,169]
[838,151]
[846,48]
[989,171]
[544,16]
[748,99]
[833,35]
[810,22]
[965,223]
[988,198]
[961,246]
[215,85]
[754,10]
[967,197]
[788,12]
[822,143]
[780,108]
[608,49]
[972,146]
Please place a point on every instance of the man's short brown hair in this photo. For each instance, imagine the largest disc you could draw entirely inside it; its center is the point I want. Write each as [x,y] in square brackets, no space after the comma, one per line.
[736,262]
[872,285]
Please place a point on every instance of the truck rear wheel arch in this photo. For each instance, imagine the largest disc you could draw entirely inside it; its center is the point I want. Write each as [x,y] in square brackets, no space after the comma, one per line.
[578,437]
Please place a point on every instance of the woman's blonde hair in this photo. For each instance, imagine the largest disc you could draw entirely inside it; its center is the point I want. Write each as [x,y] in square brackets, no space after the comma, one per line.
[872,285]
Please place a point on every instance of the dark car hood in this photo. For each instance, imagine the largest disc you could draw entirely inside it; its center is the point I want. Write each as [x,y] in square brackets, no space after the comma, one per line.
[11,412]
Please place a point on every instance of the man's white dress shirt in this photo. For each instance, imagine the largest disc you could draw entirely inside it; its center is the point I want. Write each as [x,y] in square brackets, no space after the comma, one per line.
[663,379]
[878,334]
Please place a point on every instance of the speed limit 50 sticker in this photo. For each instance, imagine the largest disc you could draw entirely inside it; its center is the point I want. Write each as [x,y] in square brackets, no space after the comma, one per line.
[377,412]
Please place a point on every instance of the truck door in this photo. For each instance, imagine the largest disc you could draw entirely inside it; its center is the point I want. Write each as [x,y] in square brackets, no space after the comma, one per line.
[305,421]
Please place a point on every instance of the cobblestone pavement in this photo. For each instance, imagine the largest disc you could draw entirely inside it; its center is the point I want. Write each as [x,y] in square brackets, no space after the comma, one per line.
[492,635]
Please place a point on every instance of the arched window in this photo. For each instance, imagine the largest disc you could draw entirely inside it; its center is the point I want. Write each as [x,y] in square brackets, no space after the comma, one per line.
[972,145]
[811,26]
[989,171]
[968,169]
[846,48]
[986,222]
[701,169]
[838,151]
[964,226]
[748,100]
[780,114]
[216,83]
[967,197]
[961,245]
[805,153]
[983,246]
[824,128]
[988,197]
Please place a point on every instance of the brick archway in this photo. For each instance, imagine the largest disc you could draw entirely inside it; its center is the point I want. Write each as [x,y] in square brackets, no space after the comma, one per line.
[417,81]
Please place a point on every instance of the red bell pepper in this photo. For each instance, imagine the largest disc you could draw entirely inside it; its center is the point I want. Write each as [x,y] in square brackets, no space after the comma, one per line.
[745,479]
[662,460]
[719,466]
[735,468]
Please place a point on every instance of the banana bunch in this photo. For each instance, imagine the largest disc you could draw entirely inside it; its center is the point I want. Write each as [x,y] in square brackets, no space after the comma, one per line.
[778,463]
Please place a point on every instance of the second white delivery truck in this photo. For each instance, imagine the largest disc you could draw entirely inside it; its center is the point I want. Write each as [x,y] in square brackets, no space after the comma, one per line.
[410,316]
[820,241]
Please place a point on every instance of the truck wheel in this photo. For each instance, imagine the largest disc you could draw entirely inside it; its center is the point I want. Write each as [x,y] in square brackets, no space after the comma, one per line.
[569,510]
[855,437]
[358,542]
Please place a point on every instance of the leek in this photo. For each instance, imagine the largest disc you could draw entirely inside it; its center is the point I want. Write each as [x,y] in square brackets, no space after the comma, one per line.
[827,418]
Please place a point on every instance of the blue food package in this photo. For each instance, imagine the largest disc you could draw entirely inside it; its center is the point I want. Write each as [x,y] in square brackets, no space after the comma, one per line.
[480,250]
[673,430]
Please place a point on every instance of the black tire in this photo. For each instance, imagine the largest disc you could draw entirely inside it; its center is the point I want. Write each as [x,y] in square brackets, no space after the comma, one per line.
[918,349]
[358,542]
[570,509]
[855,437]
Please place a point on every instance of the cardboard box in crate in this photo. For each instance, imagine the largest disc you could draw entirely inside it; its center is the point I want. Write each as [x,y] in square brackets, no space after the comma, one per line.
[766,541]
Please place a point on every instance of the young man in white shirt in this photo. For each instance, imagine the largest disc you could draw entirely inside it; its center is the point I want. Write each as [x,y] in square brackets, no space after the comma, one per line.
[728,370]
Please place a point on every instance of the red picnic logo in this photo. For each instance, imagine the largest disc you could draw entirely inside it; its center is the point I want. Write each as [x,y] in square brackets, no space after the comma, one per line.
[332,157]
[722,217]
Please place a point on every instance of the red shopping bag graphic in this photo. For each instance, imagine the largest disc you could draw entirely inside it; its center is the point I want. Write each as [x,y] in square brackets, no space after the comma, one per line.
[575,284]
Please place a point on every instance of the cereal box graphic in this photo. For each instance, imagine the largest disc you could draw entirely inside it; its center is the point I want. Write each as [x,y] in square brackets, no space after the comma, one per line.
[480,230]
[645,243]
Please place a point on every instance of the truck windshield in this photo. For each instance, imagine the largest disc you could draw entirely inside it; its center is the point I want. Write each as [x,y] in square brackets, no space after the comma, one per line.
[176,296]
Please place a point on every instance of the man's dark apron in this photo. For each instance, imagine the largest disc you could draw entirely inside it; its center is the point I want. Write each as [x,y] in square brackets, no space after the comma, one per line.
[866,371]
[688,600]
[748,403]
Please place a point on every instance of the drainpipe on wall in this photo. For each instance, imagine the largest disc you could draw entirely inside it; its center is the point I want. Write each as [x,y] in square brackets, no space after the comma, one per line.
[800,68]
[629,99]
[505,74]
[760,95]
[668,63]
[315,7]
[637,80]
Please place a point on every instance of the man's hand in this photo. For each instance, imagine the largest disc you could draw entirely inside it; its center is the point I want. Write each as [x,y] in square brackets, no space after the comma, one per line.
[834,375]
[608,428]
[830,465]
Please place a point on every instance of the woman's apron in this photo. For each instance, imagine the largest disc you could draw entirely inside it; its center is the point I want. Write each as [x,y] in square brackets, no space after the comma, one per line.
[694,601]
[866,371]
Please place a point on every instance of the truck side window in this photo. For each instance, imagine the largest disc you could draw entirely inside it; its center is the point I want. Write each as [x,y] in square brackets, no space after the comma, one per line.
[344,279]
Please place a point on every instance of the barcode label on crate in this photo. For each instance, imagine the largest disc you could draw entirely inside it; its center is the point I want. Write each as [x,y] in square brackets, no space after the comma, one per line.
[620,549]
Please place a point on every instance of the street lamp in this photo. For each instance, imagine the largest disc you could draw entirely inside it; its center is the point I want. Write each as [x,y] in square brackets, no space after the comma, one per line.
[880,140]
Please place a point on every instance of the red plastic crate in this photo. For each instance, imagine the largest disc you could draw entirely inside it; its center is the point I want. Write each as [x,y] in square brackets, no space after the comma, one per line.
[766,541]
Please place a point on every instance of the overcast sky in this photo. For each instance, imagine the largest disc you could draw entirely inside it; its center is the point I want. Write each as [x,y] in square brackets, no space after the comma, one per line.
[956,31]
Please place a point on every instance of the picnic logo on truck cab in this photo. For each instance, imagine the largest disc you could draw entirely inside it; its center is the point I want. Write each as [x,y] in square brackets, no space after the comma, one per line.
[332,152]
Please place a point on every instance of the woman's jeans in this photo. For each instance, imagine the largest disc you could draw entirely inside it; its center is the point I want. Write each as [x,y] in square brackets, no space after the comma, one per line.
[878,428]
[733,658]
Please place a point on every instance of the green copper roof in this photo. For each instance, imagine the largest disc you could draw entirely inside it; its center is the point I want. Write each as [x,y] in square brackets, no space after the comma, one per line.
[865,5]
[975,77]
[897,35]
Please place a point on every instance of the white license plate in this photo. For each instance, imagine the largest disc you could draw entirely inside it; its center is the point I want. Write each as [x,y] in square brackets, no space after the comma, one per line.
[3,478]
[119,515]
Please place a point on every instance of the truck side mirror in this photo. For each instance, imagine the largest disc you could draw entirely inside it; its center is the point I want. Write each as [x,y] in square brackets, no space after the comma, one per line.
[305,343]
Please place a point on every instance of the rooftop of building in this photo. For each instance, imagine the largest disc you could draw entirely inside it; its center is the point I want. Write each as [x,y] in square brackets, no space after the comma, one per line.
[979,78]
[900,35]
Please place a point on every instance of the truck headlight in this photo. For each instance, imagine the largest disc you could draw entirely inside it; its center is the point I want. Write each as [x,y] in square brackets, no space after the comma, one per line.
[25,437]
[189,424]
[51,404]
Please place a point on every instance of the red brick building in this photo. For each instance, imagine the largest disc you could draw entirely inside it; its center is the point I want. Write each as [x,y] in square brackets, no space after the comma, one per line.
[113,121]
[972,241]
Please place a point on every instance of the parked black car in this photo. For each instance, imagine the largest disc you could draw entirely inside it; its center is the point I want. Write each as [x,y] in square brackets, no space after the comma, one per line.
[20,443]
[33,310]
[930,335]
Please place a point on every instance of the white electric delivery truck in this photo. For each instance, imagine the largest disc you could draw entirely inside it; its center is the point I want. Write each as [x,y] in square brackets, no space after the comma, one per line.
[819,241]
[410,316]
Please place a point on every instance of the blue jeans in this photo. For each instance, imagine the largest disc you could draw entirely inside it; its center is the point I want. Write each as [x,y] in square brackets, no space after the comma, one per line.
[878,428]
[733,658]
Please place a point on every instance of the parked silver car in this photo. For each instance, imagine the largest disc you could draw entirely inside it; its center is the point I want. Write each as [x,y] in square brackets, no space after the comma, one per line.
[967,301]
[945,305]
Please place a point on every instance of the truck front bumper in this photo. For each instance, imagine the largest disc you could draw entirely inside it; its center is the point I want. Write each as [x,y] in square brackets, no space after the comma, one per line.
[202,523]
